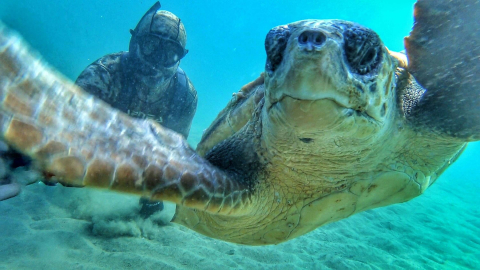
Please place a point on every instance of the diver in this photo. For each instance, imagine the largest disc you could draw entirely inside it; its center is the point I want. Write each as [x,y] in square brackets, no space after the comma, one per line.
[146,81]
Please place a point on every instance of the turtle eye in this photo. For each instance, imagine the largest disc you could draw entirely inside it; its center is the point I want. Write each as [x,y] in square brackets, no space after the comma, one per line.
[275,45]
[362,49]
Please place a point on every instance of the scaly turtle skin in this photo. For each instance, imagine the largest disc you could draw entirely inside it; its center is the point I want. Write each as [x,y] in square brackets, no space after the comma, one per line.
[335,127]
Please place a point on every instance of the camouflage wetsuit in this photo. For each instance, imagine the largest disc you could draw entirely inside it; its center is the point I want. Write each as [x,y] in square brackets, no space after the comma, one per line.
[110,79]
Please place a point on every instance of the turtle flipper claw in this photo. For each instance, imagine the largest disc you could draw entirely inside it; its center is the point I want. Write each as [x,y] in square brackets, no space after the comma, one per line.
[444,57]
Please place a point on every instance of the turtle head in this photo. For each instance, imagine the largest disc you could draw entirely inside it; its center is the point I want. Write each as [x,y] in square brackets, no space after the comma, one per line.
[328,77]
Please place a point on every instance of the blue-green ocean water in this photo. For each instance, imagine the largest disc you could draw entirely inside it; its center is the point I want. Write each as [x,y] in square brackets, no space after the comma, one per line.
[225,38]
[226,51]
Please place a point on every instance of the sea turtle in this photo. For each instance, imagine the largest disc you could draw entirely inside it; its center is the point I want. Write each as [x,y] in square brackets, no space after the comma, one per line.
[336,125]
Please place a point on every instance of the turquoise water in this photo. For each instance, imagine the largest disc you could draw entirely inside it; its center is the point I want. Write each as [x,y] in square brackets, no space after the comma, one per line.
[225,38]
[226,51]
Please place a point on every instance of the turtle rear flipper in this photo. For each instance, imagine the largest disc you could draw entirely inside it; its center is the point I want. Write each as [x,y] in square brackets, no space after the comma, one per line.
[81,141]
[444,57]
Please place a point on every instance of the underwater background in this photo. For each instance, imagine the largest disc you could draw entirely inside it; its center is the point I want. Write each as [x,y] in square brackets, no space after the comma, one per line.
[66,228]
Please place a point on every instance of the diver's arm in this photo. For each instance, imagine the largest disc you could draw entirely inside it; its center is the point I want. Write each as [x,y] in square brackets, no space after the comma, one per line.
[189,107]
[96,79]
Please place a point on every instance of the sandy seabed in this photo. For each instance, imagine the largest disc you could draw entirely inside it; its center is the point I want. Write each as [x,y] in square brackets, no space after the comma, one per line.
[49,227]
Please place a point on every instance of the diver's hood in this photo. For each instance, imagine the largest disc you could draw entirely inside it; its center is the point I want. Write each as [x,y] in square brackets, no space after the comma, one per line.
[144,23]
[161,23]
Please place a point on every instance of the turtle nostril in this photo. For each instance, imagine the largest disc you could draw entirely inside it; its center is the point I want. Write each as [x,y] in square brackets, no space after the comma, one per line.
[315,38]
[303,38]
[319,39]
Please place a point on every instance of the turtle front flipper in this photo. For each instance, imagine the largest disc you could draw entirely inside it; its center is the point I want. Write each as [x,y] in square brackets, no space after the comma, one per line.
[79,140]
[444,56]
[231,119]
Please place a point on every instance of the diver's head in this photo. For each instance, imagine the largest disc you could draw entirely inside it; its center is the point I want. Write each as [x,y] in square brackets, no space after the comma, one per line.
[158,43]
